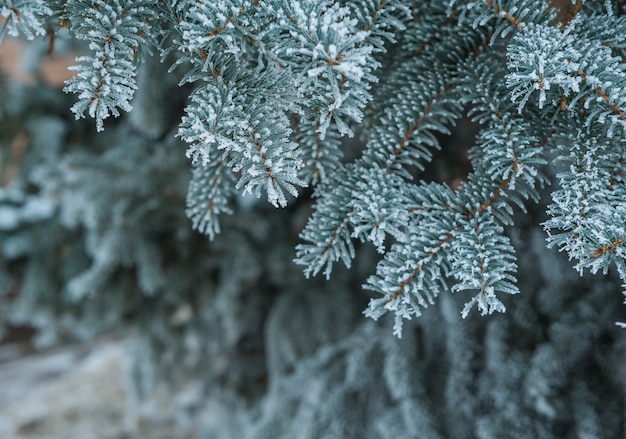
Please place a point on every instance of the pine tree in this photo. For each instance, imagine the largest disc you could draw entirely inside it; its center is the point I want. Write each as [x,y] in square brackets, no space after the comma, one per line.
[422,142]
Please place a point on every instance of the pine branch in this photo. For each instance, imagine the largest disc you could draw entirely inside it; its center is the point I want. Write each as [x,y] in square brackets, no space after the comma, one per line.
[320,157]
[209,195]
[586,211]
[105,81]
[27,16]
[327,231]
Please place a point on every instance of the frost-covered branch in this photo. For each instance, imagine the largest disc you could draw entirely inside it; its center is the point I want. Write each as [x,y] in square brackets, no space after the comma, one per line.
[116,31]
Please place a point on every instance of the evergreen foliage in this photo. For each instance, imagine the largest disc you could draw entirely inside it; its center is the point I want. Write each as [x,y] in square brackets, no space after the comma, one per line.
[341,113]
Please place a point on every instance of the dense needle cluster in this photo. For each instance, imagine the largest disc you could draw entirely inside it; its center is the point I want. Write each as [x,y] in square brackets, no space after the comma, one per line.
[279,85]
